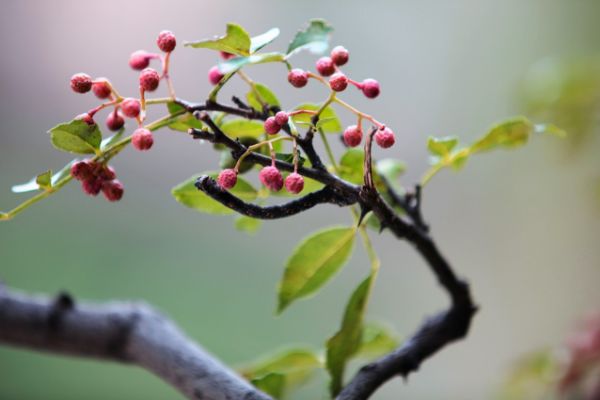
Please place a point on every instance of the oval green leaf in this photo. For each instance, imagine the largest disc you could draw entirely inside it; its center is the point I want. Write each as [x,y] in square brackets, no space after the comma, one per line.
[314,262]
[236,41]
[260,41]
[266,95]
[239,127]
[76,136]
[314,38]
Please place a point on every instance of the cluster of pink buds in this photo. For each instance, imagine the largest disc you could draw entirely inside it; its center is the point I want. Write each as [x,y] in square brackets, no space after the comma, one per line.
[274,124]
[269,176]
[384,136]
[96,177]
[338,81]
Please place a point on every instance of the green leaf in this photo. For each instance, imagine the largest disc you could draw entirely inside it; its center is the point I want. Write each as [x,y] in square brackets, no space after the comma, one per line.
[236,41]
[346,342]
[76,136]
[510,134]
[391,169]
[265,94]
[273,384]
[351,166]
[314,262]
[247,224]
[236,63]
[441,146]
[41,181]
[44,180]
[240,127]
[550,129]
[109,141]
[376,341]
[314,38]
[3,216]
[332,123]
[286,362]
[185,121]
[260,41]
[187,194]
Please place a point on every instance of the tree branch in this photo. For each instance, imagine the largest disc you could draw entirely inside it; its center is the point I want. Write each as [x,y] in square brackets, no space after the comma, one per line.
[125,332]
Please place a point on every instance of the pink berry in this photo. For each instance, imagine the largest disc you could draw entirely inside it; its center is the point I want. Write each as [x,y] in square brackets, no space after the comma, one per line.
[352,136]
[149,79]
[226,56]
[215,75]
[140,59]
[338,82]
[131,107]
[106,173]
[112,190]
[81,83]
[227,178]
[82,170]
[340,55]
[92,186]
[142,139]
[385,137]
[101,88]
[271,178]
[294,183]
[370,88]
[298,78]
[115,121]
[271,126]
[325,66]
[87,118]
[166,41]
[282,118]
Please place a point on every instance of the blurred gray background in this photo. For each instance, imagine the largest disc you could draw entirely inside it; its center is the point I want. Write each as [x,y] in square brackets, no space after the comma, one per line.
[522,226]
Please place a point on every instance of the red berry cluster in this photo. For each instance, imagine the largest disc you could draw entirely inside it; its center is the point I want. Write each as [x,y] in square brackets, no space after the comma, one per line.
[96,177]
[274,124]
[269,176]
[338,81]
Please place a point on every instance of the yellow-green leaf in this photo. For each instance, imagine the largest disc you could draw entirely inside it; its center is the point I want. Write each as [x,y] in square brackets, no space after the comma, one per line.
[236,41]
[441,146]
[314,38]
[247,224]
[239,127]
[512,133]
[260,41]
[76,136]
[314,262]
[346,342]
[266,95]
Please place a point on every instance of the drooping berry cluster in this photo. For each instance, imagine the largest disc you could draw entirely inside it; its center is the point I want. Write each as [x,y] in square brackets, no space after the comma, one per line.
[96,177]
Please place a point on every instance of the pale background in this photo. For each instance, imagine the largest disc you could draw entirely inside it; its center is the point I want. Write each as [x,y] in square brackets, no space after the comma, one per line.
[521,226]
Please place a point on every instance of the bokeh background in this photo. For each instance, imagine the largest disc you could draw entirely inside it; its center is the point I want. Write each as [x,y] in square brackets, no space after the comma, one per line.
[522,226]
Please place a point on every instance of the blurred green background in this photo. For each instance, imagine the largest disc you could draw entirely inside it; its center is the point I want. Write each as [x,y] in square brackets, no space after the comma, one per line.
[521,226]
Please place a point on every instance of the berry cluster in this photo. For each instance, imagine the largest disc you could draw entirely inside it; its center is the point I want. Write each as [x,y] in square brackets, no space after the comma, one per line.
[269,176]
[149,80]
[96,177]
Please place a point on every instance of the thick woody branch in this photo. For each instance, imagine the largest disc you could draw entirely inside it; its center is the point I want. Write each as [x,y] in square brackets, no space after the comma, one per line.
[323,196]
[125,332]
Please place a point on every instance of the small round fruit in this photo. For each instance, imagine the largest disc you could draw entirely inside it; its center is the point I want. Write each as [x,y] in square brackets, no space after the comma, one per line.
[81,83]
[370,88]
[385,138]
[227,178]
[106,173]
[112,190]
[282,118]
[87,118]
[338,82]
[82,170]
[353,136]
[325,66]
[166,41]
[339,55]
[142,139]
[271,178]
[149,79]
[139,60]
[215,75]
[115,121]
[294,183]
[271,126]
[298,78]
[101,88]
[92,186]
[131,107]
